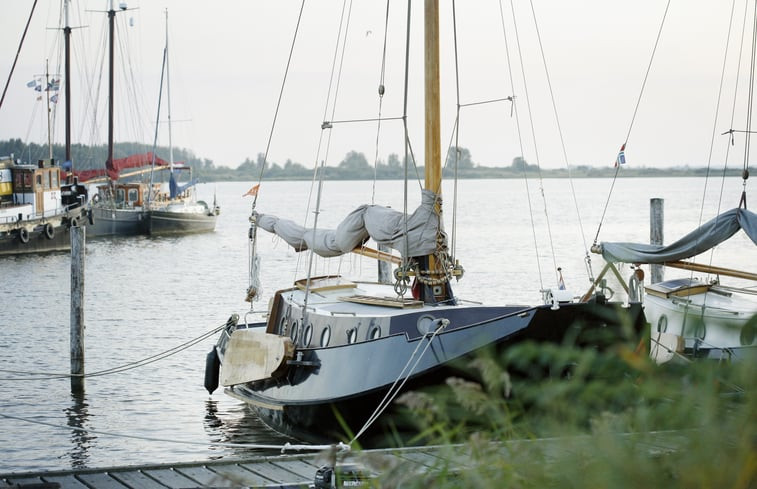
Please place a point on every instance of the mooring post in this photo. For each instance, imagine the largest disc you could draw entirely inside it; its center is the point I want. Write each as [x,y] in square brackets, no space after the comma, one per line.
[656,219]
[78,240]
[384,267]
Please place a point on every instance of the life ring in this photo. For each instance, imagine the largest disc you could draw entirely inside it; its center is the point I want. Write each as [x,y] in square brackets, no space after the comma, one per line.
[23,235]
[49,231]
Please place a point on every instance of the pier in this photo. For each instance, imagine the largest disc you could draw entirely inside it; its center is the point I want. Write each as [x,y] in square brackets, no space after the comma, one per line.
[300,471]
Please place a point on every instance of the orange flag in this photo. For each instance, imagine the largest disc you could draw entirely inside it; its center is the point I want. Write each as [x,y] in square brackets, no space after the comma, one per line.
[253,191]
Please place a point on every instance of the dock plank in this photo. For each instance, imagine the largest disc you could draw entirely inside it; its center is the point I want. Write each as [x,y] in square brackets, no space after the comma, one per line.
[170,478]
[66,481]
[243,476]
[207,477]
[102,480]
[136,479]
[276,473]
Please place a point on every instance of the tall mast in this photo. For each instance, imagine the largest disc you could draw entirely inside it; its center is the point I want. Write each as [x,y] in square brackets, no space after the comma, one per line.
[67,74]
[168,99]
[47,97]
[111,29]
[433,156]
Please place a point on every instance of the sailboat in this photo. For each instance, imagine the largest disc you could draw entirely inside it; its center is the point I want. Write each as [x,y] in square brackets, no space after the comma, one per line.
[693,317]
[38,206]
[177,211]
[333,350]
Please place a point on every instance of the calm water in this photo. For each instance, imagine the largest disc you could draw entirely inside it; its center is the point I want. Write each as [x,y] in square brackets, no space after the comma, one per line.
[147,295]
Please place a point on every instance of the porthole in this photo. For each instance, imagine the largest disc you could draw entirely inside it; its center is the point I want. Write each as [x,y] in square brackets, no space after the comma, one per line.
[351,335]
[746,338]
[283,327]
[307,335]
[662,324]
[374,332]
[426,324]
[293,333]
[325,336]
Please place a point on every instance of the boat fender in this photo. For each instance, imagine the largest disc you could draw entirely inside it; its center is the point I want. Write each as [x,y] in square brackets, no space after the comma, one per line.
[212,367]
[49,231]
[23,235]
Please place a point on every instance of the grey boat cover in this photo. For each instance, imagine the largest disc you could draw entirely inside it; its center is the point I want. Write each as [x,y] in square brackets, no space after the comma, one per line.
[698,241]
[385,225]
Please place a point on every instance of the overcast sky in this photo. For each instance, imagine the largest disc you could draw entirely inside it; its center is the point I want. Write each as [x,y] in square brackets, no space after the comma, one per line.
[227,60]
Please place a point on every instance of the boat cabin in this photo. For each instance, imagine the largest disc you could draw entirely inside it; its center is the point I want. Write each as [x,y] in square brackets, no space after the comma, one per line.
[125,195]
[30,190]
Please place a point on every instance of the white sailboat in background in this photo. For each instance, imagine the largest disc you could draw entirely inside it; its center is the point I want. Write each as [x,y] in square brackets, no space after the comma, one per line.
[714,316]
[176,210]
[330,348]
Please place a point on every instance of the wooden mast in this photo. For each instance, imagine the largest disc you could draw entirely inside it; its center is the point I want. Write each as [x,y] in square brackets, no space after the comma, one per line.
[111,31]
[433,172]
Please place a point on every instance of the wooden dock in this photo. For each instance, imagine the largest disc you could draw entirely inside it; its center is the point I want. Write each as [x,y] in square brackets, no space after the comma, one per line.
[299,471]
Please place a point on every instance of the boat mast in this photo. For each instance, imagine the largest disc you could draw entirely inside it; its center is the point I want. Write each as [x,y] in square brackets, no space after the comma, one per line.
[48,89]
[67,74]
[111,32]
[433,157]
[168,101]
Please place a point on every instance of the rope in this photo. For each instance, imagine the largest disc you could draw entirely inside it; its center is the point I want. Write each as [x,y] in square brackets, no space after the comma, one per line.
[381,103]
[122,368]
[391,394]
[278,101]
[633,117]
[517,122]
[286,446]
[18,52]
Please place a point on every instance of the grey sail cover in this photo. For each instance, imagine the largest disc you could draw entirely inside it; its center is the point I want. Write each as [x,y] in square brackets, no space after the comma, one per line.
[698,241]
[385,225]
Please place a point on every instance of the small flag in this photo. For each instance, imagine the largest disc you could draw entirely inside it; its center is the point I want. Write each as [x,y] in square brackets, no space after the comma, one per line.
[38,88]
[621,159]
[53,85]
[54,99]
[32,84]
[253,191]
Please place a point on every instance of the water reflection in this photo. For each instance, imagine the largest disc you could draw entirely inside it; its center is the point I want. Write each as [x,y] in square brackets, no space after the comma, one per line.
[237,423]
[77,417]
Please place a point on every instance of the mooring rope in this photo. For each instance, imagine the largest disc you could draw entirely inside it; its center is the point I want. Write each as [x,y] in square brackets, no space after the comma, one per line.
[392,393]
[341,447]
[122,368]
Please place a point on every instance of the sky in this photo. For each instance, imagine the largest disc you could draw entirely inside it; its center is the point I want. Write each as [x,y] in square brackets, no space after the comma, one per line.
[228,60]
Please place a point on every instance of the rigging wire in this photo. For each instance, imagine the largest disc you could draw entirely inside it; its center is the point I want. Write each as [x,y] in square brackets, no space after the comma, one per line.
[18,52]
[633,117]
[381,89]
[562,145]
[517,122]
[456,131]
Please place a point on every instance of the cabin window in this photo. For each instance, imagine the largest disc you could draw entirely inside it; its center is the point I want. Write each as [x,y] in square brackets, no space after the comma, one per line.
[27,180]
[39,180]
[283,327]
[47,178]
[662,324]
[307,335]
[293,333]
[133,195]
[351,335]
[120,195]
[54,179]
[375,332]
[325,336]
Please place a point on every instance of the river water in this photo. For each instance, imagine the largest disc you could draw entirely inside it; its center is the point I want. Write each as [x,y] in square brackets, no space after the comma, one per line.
[144,296]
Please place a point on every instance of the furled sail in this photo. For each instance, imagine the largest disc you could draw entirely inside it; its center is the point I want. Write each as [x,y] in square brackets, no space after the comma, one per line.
[698,241]
[416,237]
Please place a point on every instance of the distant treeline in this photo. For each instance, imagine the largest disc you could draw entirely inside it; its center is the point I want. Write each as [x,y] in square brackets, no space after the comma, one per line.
[354,166]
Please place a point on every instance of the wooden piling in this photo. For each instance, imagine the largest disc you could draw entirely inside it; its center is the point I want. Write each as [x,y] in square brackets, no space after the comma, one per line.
[656,220]
[78,241]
